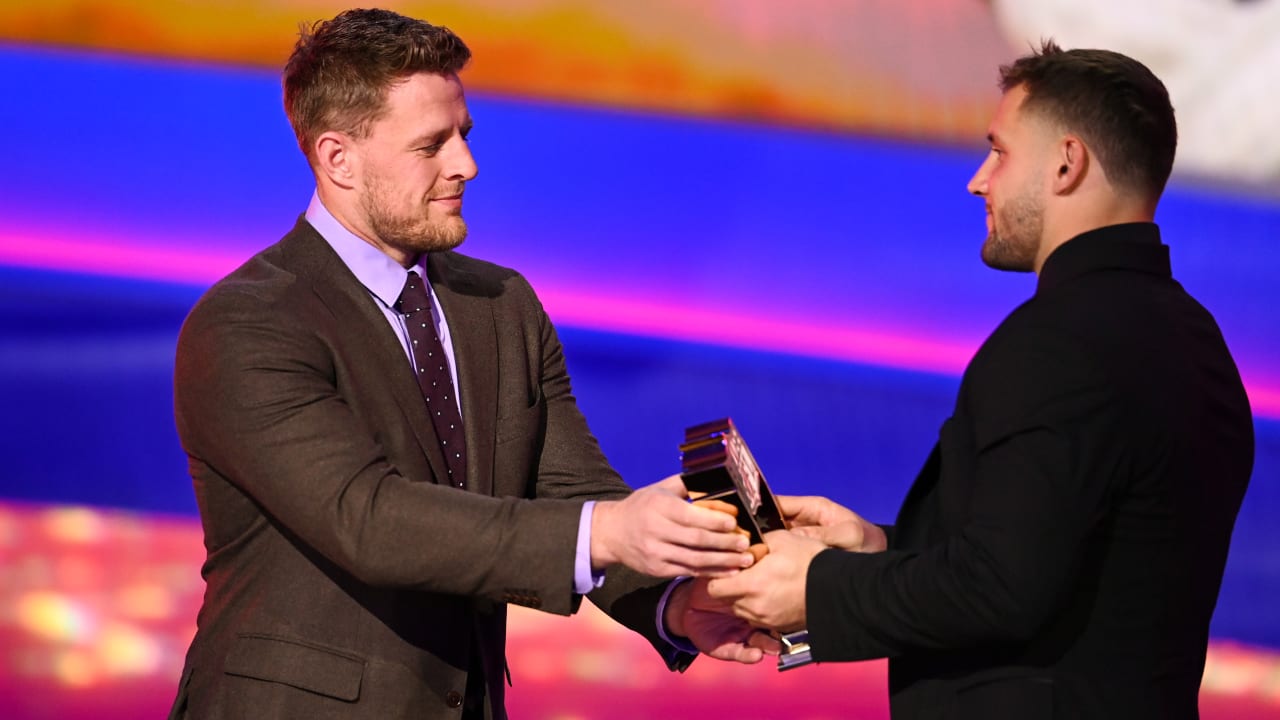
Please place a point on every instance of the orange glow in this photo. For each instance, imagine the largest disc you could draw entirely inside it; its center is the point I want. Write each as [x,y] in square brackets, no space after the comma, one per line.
[123,650]
[75,669]
[73,525]
[115,651]
[807,62]
[144,602]
[54,617]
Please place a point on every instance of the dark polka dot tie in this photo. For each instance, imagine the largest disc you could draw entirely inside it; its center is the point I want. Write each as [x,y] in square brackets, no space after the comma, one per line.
[433,376]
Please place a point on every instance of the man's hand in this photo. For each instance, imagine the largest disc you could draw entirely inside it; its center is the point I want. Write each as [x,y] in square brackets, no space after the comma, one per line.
[771,594]
[832,524]
[657,532]
[712,628]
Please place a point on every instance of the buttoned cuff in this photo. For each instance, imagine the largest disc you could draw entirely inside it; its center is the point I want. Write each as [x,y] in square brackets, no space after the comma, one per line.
[584,578]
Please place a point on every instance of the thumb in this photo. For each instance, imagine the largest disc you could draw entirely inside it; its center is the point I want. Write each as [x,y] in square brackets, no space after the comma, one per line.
[817,532]
[765,641]
[846,536]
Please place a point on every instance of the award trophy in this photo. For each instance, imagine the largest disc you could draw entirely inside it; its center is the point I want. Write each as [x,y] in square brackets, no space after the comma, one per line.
[716,465]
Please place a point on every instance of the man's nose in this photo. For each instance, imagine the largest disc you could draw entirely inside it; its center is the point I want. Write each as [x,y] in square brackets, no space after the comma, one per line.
[978,183]
[462,165]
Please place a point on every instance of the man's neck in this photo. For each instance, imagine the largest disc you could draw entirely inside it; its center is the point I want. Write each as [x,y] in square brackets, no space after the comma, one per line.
[1077,221]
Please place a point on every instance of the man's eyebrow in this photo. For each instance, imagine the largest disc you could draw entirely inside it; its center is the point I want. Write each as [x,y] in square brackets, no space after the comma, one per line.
[439,136]
[428,138]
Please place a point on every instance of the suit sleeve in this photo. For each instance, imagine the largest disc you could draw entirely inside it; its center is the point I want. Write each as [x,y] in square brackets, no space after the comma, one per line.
[1044,464]
[257,406]
[573,466]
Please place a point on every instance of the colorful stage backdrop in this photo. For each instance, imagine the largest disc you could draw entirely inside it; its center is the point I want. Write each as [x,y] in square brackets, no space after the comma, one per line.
[730,207]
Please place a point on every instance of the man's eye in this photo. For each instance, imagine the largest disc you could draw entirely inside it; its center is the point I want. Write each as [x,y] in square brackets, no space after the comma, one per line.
[429,150]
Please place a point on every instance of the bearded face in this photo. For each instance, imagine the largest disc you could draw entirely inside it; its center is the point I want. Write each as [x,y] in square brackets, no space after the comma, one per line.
[1015,228]
[1009,181]
[410,168]
[414,224]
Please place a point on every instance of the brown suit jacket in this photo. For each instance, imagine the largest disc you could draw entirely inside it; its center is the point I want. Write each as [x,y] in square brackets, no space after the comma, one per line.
[342,581]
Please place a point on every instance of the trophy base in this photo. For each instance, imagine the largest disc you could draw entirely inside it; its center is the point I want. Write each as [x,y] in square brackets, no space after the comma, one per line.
[795,650]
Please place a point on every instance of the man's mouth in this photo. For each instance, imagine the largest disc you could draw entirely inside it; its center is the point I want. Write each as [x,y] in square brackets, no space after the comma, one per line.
[453,193]
[449,201]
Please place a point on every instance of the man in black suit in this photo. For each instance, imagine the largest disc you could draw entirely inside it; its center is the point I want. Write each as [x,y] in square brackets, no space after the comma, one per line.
[365,523]
[1060,553]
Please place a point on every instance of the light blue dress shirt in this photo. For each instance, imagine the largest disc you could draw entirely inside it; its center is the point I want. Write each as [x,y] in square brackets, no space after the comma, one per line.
[384,279]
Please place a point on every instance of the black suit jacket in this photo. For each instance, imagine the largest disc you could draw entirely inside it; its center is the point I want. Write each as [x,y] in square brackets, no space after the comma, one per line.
[342,581]
[1060,553]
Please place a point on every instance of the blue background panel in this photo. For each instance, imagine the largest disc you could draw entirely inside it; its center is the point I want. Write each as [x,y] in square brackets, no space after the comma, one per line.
[769,223]
[89,417]
[777,223]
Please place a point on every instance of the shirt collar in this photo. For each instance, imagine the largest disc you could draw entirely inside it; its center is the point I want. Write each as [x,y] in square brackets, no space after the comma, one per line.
[373,268]
[1129,246]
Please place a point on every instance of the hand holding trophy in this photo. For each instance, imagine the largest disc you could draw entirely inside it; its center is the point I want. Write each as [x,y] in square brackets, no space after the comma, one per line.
[717,467]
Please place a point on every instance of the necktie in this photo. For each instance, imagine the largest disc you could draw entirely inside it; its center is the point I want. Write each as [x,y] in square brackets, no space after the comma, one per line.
[437,390]
[433,376]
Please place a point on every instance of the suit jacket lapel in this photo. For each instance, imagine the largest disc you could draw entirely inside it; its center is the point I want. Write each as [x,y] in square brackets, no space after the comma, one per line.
[469,312]
[365,326]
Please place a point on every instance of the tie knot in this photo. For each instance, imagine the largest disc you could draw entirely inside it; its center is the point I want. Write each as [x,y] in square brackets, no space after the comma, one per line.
[413,298]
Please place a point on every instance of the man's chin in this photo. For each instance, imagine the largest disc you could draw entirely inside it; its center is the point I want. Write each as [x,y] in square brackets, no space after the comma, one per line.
[999,255]
[445,238]
[454,241]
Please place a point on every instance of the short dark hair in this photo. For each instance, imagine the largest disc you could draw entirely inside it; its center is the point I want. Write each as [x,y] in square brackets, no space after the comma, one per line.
[1115,103]
[340,70]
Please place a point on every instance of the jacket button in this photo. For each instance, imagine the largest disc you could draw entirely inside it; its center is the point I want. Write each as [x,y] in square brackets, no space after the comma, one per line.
[453,699]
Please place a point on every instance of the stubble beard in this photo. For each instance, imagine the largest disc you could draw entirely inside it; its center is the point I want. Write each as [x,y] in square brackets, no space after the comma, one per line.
[412,234]
[1015,235]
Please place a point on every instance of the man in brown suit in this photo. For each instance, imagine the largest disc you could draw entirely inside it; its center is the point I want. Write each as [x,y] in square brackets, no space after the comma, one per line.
[365,524]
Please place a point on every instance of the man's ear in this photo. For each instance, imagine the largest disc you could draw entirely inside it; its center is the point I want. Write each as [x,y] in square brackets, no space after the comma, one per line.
[337,158]
[1073,160]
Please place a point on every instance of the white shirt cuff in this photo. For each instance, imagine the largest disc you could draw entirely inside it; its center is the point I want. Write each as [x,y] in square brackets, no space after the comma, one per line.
[584,578]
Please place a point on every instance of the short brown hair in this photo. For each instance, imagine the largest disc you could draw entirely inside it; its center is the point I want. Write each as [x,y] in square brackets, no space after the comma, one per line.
[1116,105]
[340,70]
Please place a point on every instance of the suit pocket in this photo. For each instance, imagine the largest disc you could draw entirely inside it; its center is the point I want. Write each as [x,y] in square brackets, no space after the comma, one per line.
[301,665]
[520,422]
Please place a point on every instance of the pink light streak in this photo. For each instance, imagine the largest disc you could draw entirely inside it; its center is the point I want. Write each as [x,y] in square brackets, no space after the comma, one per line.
[753,332]
[118,259]
[614,313]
